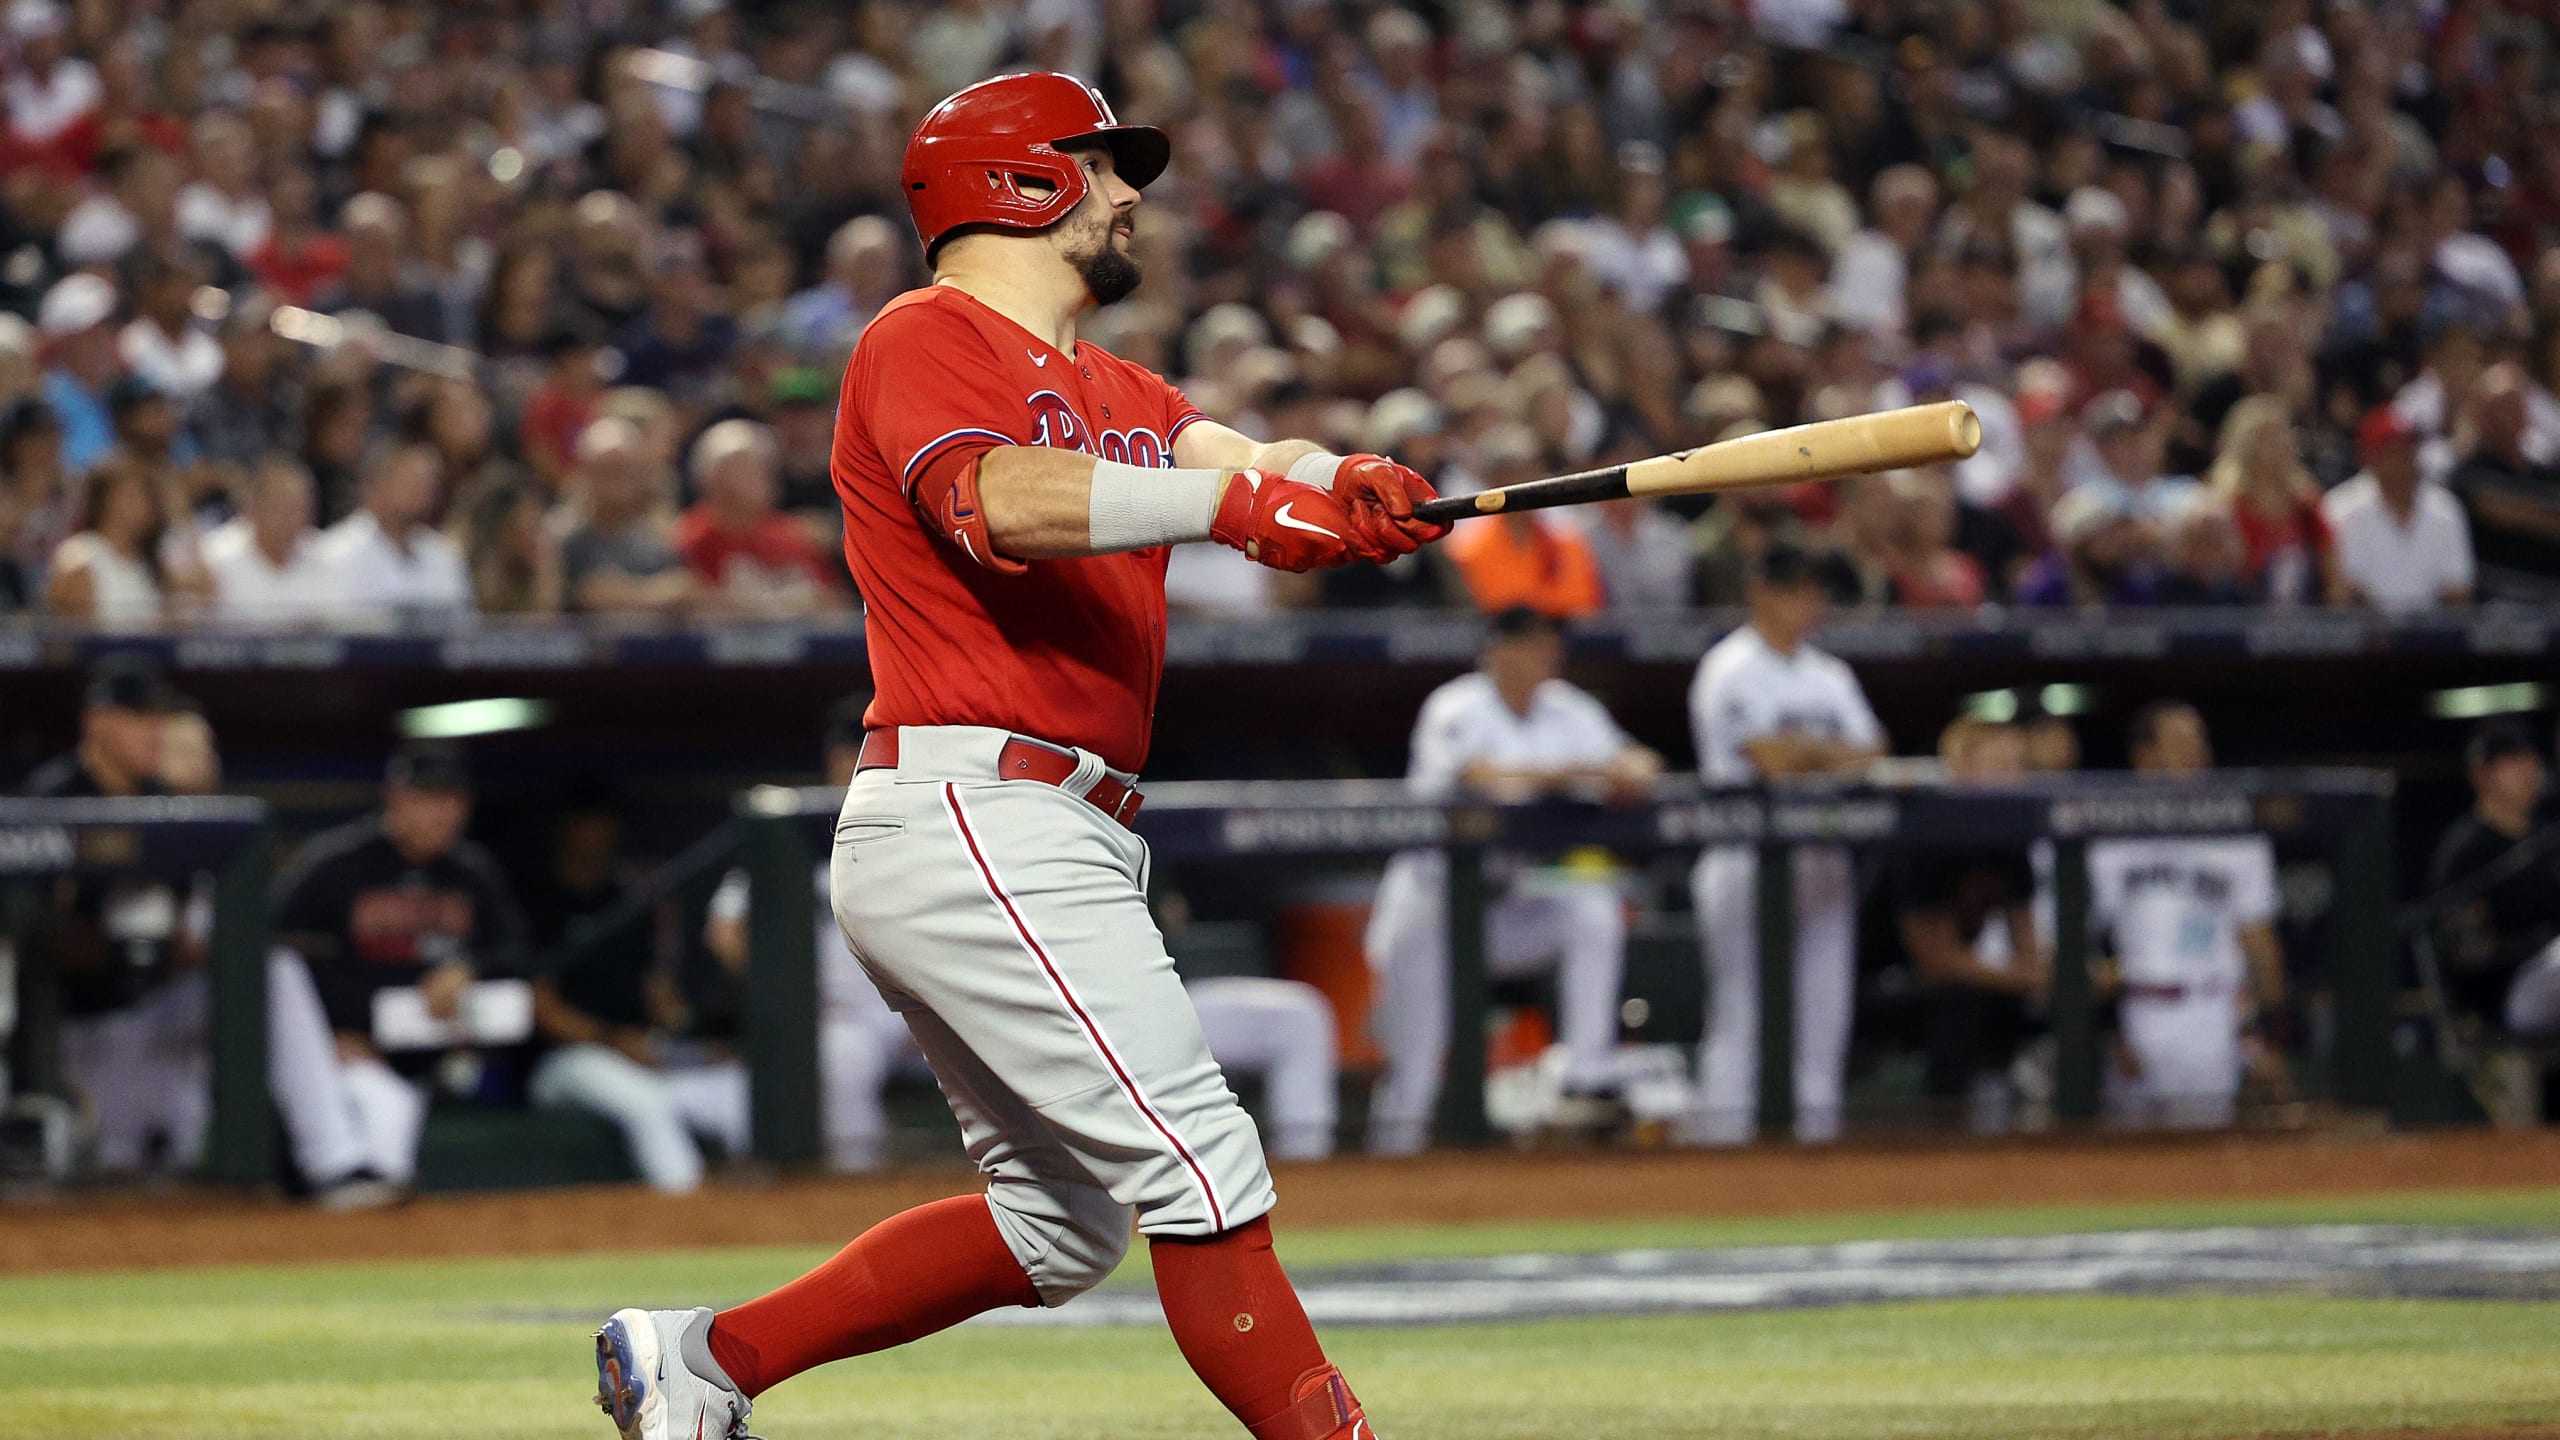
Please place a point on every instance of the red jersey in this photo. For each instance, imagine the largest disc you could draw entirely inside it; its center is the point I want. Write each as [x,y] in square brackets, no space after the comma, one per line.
[1068,651]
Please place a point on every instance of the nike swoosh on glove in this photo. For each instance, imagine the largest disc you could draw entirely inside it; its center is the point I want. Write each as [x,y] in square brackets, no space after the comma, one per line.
[1278,522]
[1380,495]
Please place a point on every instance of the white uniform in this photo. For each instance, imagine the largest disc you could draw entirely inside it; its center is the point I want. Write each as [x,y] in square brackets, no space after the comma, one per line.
[2177,908]
[1747,691]
[1538,918]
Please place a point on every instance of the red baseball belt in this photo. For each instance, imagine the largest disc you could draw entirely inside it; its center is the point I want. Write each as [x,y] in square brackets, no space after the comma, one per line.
[1022,758]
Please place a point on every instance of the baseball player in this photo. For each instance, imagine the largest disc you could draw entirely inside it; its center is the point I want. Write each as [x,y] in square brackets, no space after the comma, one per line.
[127,964]
[2196,956]
[1010,496]
[1513,729]
[1767,706]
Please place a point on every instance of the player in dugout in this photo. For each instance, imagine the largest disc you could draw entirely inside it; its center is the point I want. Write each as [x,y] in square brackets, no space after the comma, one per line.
[2196,968]
[1514,729]
[1768,706]
[1979,1002]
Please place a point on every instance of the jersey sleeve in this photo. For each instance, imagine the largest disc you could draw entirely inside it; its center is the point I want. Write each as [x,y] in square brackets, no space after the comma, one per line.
[1179,414]
[931,394]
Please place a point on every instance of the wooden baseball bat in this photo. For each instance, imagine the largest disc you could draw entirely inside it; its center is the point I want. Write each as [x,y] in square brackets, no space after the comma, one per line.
[1823,450]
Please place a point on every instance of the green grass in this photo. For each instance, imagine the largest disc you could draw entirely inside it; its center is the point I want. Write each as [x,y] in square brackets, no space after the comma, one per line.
[483,1348]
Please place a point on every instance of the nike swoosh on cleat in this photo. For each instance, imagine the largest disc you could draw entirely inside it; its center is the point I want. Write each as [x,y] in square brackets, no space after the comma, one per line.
[1282,516]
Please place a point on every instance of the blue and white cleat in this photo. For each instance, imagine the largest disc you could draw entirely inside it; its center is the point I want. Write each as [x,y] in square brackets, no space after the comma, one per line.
[656,1378]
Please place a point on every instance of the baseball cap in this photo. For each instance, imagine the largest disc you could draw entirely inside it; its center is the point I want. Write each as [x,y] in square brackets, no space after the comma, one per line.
[130,392]
[2091,208]
[2114,411]
[24,416]
[429,765]
[2084,512]
[2383,426]
[129,681]
[1785,566]
[2495,740]
[1701,219]
[76,302]
[1518,622]
[802,385]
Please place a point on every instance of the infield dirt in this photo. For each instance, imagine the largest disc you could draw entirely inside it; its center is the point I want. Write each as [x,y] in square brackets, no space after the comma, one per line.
[197,1227]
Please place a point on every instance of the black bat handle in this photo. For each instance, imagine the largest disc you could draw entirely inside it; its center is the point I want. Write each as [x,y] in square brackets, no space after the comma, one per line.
[1579,489]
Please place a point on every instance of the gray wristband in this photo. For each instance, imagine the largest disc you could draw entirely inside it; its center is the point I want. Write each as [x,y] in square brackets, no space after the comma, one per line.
[1317,469]
[1137,507]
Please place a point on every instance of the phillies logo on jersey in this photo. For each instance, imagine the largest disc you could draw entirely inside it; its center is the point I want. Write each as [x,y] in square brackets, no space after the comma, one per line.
[1056,424]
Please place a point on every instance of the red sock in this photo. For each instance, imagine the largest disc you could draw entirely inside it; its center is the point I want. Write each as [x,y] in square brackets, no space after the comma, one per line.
[1239,1323]
[903,1279]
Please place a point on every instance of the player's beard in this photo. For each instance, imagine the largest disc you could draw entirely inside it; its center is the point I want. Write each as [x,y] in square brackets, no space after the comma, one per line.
[1110,276]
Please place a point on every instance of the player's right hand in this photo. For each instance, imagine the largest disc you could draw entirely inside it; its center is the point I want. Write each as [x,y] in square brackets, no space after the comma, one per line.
[1278,522]
[1380,495]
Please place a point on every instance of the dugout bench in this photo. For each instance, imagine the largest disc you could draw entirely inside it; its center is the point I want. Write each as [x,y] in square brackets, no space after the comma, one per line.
[2347,813]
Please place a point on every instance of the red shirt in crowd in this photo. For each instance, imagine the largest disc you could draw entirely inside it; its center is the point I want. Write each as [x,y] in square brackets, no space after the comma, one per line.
[293,273]
[2285,549]
[1068,651]
[774,544]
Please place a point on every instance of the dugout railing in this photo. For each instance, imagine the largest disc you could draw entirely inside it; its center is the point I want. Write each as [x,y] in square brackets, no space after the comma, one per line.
[779,833]
[2344,814]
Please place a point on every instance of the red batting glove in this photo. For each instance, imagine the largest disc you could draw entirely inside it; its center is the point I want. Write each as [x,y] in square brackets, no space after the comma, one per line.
[1278,522]
[1381,494]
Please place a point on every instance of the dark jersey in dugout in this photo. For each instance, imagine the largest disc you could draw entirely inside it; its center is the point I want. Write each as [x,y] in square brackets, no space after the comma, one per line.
[118,939]
[365,918]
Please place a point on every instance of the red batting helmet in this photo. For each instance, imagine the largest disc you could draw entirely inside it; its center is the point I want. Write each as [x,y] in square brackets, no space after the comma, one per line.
[965,164]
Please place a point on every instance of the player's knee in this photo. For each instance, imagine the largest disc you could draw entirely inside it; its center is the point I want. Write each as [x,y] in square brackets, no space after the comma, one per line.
[1073,1244]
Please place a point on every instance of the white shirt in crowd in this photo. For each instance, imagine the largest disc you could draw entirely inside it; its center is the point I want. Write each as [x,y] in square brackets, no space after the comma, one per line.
[2176,906]
[1466,721]
[1641,268]
[2399,568]
[123,593]
[250,589]
[1214,580]
[237,225]
[1647,569]
[40,109]
[1745,690]
[182,366]
[376,579]
[98,231]
[1867,280]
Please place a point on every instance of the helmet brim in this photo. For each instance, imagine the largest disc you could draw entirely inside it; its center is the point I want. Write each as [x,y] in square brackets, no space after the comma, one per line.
[1139,153]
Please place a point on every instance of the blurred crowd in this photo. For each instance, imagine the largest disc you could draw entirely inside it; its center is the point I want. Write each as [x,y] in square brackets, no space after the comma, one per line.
[354,313]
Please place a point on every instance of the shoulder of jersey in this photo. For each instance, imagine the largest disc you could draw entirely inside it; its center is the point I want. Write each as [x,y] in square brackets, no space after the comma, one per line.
[1460,693]
[1565,693]
[1726,654]
[936,307]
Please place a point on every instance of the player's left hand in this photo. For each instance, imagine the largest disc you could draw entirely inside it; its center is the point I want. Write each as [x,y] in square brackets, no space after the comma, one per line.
[1381,494]
[1281,523]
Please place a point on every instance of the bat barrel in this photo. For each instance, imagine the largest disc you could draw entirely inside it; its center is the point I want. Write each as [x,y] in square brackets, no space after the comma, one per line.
[1824,450]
